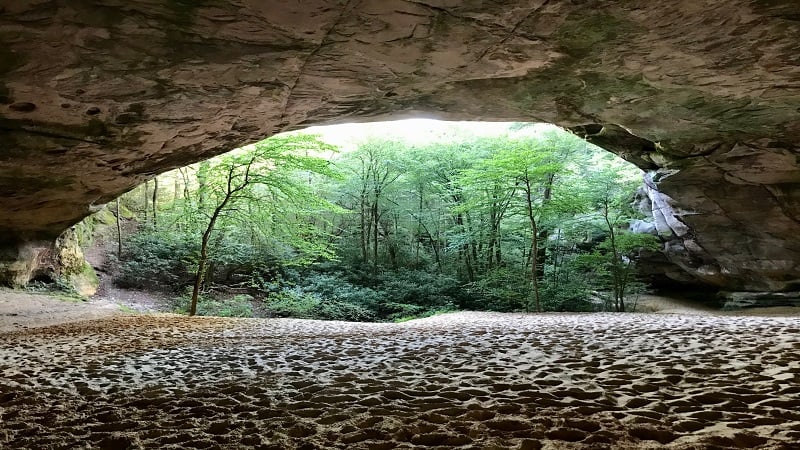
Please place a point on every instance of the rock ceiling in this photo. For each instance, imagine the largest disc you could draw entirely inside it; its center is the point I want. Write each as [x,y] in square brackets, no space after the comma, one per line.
[97,96]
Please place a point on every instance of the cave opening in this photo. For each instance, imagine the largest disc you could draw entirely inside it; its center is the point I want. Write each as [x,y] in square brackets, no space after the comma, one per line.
[43,278]
[96,97]
[433,215]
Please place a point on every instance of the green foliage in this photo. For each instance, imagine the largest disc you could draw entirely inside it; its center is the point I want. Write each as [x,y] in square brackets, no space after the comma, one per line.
[157,259]
[61,288]
[532,219]
[337,288]
[164,260]
[572,296]
[420,288]
[236,306]
[303,305]
[358,296]
[502,289]
[292,303]
[340,310]
[617,274]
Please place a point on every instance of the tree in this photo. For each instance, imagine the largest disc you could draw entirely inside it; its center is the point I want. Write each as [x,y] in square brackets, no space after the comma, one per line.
[375,166]
[155,202]
[519,173]
[260,173]
[615,258]
[522,220]
[119,230]
[237,179]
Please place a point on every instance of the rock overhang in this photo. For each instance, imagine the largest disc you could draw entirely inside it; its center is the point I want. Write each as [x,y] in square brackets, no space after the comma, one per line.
[96,98]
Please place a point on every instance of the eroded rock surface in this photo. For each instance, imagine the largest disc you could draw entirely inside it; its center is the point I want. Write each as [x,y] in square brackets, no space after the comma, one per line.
[95,97]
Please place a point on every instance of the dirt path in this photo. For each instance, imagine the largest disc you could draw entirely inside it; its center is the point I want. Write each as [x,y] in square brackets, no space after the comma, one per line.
[21,310]
[465,380]
[97,254]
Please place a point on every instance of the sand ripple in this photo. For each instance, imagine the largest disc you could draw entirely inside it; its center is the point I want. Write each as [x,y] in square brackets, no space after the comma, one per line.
[467,380]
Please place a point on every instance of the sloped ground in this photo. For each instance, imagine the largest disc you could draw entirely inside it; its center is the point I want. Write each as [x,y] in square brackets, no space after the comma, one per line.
[20,310]
[465,380]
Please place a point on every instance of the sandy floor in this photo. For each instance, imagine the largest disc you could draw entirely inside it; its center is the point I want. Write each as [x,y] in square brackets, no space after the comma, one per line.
[466,380]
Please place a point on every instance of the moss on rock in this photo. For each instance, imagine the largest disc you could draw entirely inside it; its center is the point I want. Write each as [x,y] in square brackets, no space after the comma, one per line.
[86,282]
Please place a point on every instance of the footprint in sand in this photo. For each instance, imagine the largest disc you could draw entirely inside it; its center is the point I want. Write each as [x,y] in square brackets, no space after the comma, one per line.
[469,380]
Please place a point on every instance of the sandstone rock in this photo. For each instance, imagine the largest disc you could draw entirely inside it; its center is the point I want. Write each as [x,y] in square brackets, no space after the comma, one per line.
[62,259]
[71,265]
[96,97]
[739,300]
[22,263]
[643,227]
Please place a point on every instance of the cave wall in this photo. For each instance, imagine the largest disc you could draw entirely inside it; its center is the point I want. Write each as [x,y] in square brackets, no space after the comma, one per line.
[98,96]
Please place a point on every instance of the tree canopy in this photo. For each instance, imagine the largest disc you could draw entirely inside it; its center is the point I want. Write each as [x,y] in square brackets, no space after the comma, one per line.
[527,220]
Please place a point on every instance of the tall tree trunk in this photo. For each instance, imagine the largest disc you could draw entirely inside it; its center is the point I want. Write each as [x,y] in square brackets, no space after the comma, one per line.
[391,246]
[498,252]
[472,246]
[203,261]
[492,238]
[437,258]
[534,270]
[544,234]
[469,267]
[155,202]
[542,256]
[494,250]
[185,177]
[183,221]
[375,236]
[557,259]
[176,186]
[419,225]
[534,242]
[618,283]
[119,232]
[395,240]
[368,241]
[146,199]
[364,229]
[464,251]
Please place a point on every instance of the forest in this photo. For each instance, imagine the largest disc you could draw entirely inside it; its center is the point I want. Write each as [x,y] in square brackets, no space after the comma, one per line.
[533,219]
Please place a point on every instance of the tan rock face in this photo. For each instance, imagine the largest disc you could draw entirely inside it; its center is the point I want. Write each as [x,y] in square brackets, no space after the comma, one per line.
[96,97]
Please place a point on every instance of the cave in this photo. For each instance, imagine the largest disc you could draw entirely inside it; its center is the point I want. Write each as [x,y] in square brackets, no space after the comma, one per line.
[97,97]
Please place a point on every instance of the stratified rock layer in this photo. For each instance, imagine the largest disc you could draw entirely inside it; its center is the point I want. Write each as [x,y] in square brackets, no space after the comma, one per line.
[96,97]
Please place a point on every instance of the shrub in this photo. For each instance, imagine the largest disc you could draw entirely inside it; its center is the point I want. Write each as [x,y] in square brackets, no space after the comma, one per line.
[243,264]
[303,305]
[341,310]
[236,306]
[358,295]
[292,303]
[416,287]
[157,259]
[166,259]
[334,287]
[573,297]
[502,289]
